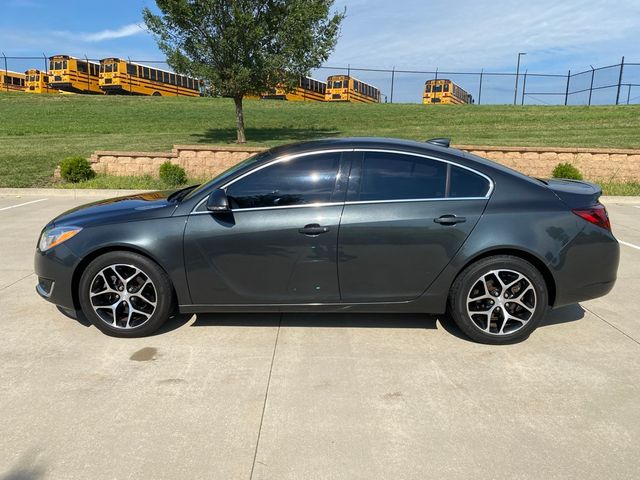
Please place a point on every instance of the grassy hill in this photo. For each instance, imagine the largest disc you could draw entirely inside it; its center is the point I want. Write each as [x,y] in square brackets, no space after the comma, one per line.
[37,131]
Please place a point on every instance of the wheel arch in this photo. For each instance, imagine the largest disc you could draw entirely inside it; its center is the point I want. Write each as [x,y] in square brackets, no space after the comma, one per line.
[91,256]
[524,255]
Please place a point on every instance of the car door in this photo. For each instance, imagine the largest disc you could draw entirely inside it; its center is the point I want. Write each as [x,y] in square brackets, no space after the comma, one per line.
[405,217]
[278,245]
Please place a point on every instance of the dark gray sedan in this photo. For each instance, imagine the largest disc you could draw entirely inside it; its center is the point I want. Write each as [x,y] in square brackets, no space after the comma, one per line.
[356,224]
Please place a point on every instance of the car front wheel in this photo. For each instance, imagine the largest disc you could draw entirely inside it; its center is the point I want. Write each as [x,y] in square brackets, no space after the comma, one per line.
[499,299]
[125,294]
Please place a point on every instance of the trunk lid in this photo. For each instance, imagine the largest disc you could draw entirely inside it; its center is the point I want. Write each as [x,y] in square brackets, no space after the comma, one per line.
[575,193]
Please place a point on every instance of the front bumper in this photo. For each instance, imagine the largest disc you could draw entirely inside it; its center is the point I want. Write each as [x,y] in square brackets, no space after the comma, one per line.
[54,269]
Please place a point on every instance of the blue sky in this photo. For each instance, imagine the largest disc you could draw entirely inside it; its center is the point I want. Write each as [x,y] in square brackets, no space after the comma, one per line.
[407,34]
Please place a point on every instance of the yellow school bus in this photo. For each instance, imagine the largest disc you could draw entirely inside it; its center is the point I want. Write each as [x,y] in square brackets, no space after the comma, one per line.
[443,92]
[11,81]
[37,82]
[343,88]
[308,89]
[73,75]
[122,77]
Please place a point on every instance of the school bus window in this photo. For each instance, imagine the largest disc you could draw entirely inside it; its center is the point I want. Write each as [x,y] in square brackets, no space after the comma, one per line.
[132,70]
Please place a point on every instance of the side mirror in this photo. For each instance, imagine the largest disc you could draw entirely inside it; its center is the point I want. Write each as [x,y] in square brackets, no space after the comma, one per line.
[218,201]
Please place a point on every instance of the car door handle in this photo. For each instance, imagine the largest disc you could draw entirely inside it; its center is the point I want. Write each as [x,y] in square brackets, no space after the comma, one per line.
[449,220]
[313,229]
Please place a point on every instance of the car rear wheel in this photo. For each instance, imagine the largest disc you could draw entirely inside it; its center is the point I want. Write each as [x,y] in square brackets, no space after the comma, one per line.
[125,294]
[499,300]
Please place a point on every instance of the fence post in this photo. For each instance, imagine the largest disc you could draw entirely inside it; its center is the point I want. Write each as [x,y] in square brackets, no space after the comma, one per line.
[129,75]
[6,72]
[593,72]
[480,89]
[46,67]
[393,75]
[566,92]
[629,94]
[88,74]
[348,81]
[620,81]
[524,85]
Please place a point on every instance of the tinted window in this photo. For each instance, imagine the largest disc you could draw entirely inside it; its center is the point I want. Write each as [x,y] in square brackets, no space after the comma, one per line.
[132,70]
[390,176]
[301,181]
[464,183]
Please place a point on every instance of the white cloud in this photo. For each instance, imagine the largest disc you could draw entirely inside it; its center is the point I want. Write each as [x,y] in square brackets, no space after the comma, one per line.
[122,32]
[470,34]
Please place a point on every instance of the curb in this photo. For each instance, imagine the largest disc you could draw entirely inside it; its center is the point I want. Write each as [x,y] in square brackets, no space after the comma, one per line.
[621,200]
[68,192]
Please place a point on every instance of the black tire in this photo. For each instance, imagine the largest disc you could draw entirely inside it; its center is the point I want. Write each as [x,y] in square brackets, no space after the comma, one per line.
[162,293]
[476,328]
[157,94]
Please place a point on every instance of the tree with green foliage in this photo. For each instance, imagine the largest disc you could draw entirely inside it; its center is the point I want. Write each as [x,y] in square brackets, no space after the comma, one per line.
[245,47]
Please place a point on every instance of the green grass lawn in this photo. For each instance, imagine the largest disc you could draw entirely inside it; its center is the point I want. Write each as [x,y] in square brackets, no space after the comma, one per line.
[37,131]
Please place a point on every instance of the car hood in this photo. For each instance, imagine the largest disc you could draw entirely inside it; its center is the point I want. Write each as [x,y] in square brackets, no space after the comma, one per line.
[120,209]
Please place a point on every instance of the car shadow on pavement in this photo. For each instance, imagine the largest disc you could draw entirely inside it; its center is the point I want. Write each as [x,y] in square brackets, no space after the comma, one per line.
[566,314]
[323,320]
[569,313]
[28,467]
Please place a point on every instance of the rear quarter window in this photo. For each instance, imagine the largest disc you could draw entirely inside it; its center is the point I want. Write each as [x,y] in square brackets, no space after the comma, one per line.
[464,183]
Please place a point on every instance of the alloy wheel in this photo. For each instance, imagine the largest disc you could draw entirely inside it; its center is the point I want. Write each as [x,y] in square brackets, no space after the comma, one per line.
[123,296]
[501,302]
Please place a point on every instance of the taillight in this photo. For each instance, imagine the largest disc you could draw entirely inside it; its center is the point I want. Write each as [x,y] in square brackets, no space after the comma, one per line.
[596,215]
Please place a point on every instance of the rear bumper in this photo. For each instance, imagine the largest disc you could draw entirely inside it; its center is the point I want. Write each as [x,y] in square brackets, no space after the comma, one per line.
[587,267]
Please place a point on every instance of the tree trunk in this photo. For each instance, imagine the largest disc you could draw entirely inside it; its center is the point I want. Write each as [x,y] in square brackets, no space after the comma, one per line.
[239,120]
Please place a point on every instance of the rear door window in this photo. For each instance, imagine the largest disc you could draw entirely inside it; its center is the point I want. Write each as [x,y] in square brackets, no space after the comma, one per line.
[393,176]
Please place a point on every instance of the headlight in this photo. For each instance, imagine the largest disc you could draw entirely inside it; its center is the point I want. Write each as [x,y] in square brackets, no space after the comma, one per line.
[55,236]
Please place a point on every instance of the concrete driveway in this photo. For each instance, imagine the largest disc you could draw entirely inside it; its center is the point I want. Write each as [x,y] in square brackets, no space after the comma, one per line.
[313,396]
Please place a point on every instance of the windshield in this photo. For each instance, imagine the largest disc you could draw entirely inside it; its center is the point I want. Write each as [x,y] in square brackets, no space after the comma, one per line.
[230,172]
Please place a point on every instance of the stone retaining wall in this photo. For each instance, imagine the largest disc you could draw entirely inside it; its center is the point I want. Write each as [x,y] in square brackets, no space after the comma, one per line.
[199,161]
[205,161]
[594,163]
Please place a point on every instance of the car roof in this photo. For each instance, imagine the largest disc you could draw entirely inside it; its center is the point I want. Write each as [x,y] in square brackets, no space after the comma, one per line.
[361,142]
[410,146]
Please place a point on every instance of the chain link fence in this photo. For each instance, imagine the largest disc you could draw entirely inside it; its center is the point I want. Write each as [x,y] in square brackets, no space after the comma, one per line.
[617,84]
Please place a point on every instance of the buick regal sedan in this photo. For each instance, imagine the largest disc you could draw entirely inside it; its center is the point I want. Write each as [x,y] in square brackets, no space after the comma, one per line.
[356,224]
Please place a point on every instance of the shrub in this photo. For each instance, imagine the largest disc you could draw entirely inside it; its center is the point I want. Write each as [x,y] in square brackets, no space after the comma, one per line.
[566,170]
[172,174]
[76,169]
